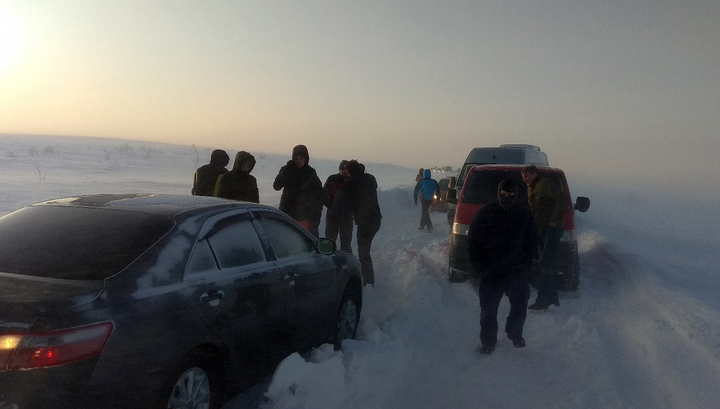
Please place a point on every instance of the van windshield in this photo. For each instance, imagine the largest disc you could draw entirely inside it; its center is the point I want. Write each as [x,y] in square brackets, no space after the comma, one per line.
[481,187]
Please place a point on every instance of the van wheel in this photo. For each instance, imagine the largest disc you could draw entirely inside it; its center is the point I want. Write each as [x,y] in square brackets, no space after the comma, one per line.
[348,316]
[456,276]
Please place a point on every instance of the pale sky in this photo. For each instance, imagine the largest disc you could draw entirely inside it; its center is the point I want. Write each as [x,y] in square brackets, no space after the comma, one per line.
[623,89]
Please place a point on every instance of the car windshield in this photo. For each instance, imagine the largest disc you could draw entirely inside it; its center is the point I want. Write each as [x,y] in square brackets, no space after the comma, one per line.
[76,243]
[481,187]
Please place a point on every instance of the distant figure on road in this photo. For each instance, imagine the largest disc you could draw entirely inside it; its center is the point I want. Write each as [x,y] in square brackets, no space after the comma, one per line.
[359,195]
[420,176]
[547,203]
[337,220]
[206,175]
[425,190]
[239,184]
[302,196]
[501,245]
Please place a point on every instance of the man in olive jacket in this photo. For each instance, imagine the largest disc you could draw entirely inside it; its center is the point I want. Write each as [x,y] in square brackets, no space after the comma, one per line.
[547,203]
[501,245]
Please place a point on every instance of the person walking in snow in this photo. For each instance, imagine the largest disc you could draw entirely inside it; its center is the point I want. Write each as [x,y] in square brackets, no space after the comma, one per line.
[501,245]
[547,203]
[420,176]
[359,196]
[206,175]
[425,190]
[302,196]
[239,184]
[337,221]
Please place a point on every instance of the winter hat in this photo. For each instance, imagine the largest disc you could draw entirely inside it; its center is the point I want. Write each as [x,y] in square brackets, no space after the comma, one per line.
[219,157]
[301,150]
[507,185]
[343,164]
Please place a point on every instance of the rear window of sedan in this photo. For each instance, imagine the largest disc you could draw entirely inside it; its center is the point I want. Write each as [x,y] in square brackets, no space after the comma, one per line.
[75,243]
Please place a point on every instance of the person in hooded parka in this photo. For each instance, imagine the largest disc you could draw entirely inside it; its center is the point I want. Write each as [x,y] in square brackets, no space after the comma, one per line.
[302,197]
[426,190]
[239,184]
[359,196]
[206,176]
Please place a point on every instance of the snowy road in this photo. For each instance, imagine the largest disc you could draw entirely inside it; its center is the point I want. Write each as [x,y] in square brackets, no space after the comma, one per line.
[628,338]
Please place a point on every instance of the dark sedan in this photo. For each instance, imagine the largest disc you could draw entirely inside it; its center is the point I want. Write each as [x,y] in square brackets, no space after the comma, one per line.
[161,301]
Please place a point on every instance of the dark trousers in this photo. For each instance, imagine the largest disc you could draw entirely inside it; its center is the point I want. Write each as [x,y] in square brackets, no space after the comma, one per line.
[491,291]
[549,242]
[425,215]
[365,234]
[343,226]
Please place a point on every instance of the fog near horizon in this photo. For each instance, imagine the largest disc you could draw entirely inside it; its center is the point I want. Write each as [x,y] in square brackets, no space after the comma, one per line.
[622,95]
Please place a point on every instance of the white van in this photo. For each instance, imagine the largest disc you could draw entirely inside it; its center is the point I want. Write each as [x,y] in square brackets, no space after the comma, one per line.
[506,154]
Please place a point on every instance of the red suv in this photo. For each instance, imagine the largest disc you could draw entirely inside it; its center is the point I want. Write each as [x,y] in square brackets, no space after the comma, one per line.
[479,189]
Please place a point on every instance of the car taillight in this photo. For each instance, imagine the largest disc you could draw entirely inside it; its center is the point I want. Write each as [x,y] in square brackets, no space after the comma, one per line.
[40,350]
[8,343]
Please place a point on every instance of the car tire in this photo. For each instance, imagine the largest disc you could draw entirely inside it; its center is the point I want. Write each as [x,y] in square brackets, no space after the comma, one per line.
[196,383]
[348,317]
[456,276]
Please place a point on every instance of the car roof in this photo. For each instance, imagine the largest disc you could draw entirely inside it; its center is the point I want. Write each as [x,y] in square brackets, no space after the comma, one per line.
[541,169]
[158,204]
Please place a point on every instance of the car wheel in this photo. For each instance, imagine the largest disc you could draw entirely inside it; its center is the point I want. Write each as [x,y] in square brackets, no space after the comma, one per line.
[348,316]
[196,386]
[456,276]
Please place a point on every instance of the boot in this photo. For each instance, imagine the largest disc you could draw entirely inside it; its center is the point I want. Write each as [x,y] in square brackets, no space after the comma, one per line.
[486,349]
[539,306]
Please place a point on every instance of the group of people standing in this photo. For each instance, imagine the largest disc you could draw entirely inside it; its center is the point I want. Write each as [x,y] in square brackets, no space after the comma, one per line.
[350,196]
[502,239]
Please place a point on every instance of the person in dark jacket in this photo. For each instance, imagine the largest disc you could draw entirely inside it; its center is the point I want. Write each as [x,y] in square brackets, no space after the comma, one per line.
[359,195]
[302,196]
[239,184]
[206,175]
[547,203]
[501,245]
[337,221]
[426,189]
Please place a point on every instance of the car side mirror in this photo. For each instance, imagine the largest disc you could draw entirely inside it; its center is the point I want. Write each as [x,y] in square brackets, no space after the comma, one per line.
[326,246]
[451,196]
[582,204]
[452,182]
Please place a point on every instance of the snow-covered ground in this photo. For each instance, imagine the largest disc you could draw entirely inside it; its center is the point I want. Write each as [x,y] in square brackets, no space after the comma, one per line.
[642,331]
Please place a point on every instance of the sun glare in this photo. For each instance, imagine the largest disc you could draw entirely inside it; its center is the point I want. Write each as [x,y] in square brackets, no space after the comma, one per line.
[9,40]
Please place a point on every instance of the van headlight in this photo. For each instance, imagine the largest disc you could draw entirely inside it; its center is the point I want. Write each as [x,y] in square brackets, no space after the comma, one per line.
[460,229]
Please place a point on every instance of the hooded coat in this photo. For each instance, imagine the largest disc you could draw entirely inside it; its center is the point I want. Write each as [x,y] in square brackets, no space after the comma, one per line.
[238,184]
[427,187]
[302,196]
[502,239]
[206,176]
[359,194]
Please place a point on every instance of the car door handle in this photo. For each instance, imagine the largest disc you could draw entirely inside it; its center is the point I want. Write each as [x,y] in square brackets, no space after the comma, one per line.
[212,295]
[290,278]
